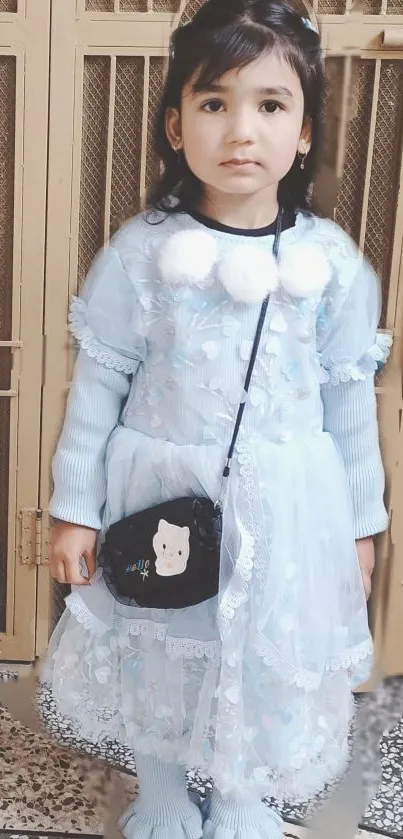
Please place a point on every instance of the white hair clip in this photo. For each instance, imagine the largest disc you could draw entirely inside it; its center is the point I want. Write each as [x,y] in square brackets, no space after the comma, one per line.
[309,25]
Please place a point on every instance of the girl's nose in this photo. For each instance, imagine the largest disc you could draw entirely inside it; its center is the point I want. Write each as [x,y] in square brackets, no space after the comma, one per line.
[240,127]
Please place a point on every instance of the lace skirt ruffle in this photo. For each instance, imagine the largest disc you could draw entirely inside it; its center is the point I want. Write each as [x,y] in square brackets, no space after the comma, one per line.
[254,687]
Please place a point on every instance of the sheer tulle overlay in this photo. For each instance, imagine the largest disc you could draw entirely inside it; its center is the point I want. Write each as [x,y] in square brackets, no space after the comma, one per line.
[246,688]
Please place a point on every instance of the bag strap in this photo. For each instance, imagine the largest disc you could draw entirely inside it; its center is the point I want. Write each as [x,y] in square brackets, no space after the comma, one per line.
[254,353]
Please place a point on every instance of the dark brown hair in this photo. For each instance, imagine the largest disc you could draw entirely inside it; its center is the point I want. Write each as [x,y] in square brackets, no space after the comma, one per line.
[225,35]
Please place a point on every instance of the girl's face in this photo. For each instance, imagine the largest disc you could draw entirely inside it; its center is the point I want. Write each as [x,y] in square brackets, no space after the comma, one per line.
[241,136]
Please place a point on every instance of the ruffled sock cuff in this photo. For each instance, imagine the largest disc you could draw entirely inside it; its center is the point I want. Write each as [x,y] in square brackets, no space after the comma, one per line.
[229,818]
[163,809]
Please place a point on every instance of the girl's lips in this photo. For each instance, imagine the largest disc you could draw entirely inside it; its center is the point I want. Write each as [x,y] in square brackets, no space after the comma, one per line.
[240,164]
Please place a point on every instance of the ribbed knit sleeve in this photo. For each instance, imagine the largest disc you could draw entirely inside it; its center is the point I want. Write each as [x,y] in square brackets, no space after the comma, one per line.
[350,416]
[103,320]
[350,353]
[94,405]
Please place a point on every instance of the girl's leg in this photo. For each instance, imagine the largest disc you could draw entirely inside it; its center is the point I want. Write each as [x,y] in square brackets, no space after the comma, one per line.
[238,819]
[163,809]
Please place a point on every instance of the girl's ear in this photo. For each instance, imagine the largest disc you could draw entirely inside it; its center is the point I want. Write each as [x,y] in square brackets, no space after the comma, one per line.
[173,128]
[305,140]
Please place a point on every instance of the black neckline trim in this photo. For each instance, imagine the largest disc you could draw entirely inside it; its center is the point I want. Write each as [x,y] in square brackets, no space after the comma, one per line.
[289,219]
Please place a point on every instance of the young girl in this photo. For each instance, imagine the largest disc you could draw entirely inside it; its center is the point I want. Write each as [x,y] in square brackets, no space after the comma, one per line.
[253,686]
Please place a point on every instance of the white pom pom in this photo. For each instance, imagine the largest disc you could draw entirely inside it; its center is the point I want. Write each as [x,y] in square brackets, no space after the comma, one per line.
[188,257]
[248,273]
[304,270]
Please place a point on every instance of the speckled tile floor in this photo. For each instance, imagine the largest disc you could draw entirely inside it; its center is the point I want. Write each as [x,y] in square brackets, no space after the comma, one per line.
[300,833]
[8,834]
[291,833]
[46,788]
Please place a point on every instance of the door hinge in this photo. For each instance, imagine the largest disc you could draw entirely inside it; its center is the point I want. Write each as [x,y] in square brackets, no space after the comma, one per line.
[34,536]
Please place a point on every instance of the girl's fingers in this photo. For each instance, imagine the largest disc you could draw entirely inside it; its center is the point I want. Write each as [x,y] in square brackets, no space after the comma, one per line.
[91,562]
[58,571]
[75,578]
[68,571]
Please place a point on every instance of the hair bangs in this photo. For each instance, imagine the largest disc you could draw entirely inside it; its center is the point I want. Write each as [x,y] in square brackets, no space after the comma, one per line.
[230,50]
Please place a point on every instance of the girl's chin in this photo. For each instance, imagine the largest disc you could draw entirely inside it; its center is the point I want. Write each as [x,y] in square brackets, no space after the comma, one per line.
[236,188]
[229,181]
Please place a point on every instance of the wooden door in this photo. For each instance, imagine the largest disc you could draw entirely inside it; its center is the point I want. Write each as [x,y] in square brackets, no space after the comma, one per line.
[24,68]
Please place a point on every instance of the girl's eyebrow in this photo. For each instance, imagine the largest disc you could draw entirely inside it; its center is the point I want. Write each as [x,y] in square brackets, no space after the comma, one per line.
[215,87]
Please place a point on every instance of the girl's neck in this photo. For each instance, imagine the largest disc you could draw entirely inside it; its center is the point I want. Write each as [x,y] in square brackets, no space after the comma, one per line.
[249,212]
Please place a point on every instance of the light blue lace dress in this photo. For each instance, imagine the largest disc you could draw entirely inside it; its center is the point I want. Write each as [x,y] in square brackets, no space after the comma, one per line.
[253,687]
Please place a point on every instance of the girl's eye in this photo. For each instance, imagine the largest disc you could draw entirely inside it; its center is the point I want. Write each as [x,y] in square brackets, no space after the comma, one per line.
[213,106]
[271,107]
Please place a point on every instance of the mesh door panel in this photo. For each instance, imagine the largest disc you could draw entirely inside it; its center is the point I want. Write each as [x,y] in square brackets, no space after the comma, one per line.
[93,160]
[133,5]
[154,93]
[325,7]
[165,5]
[7,137]
[349,203]
[372,7]
[127,146]
[385,171]
[338,7]
[192,7]
[331,7]
[395,7]
[300,7]
[99,5]
[334,81]
[8,5]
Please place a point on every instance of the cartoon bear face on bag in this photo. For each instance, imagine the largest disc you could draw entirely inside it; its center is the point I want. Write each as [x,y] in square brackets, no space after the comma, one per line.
[172,548]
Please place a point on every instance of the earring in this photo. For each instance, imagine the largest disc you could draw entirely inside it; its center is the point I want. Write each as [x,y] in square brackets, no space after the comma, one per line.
[178,151]
[302,158]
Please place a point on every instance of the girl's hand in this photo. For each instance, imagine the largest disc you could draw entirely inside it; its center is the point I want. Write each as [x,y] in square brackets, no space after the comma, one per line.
[366,558]
[69,545]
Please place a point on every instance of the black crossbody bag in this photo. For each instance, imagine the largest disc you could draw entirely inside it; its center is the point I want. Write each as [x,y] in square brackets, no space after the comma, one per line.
[168,556]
